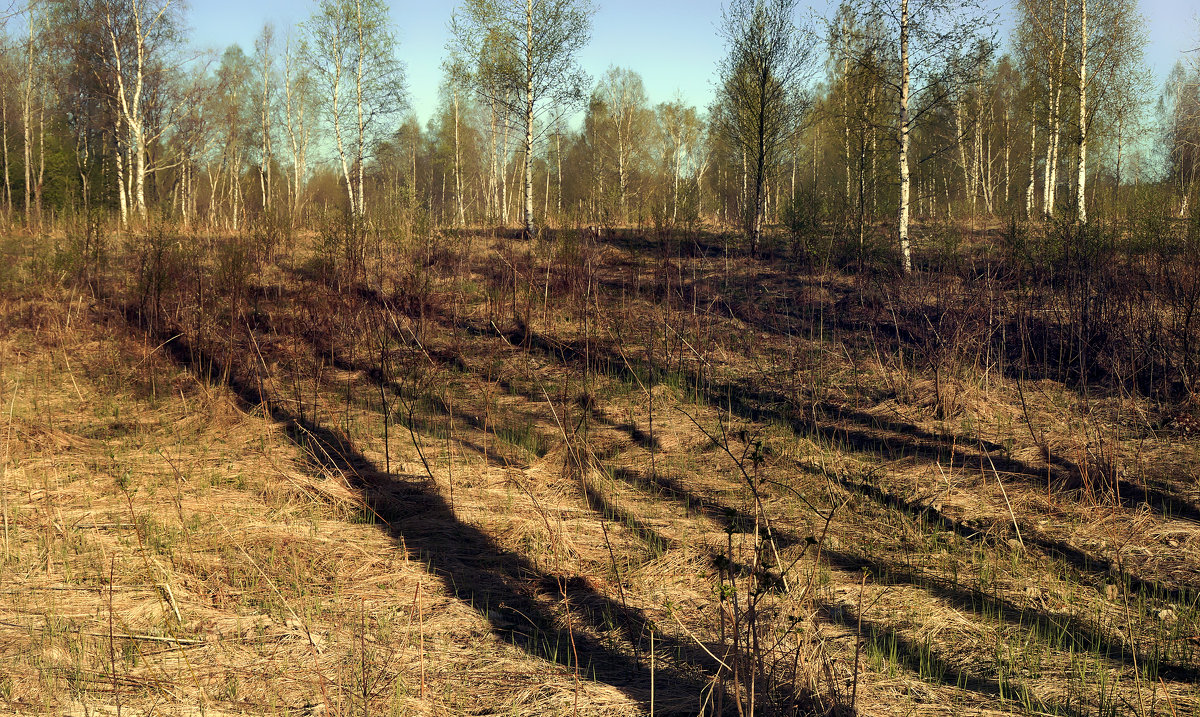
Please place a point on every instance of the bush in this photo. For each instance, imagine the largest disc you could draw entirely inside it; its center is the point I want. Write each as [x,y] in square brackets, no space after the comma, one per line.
[802,216]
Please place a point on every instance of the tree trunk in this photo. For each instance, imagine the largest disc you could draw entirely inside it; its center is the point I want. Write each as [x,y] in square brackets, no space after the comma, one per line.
[675,192]
[1051,190]
[905,249]
[122,195]
[977,154]
[1008,156]
[140,146]
[530,230]
[41,175]
[503,178]
[558,160]
[493,189]
[7,178]
[546,194]
[743,198]
[962,145]
[1083,124]
[462,217]
[264,169]
[1032,169]
[1120,146]
[341,146]
[988,181]
[846,115]
[360,149]
[27,119]
[621,165]
[874,154]
[792,188]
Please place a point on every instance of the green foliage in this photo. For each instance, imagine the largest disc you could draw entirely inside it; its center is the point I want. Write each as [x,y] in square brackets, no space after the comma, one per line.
[802,216]
[159,260]
[341,250]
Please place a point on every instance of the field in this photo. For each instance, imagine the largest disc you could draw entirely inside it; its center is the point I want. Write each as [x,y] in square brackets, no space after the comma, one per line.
[599,472]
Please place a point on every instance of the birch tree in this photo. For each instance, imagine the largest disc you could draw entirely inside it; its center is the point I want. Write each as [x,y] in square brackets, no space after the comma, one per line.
[264,60]
[1111,48]
[923,36]
[624,99]
[27,107]
[529,48]
[6,81]
[1179,109]
[682,128]
[139,33]
[351,49]
[763,91]
[232,113]
[457,78]
[299,111]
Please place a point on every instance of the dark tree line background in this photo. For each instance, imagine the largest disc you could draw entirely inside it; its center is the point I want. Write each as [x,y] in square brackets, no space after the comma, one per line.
[108,112]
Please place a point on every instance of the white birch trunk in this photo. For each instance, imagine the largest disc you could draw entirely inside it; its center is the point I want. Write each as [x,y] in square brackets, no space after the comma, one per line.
[360,148]
[7,176]
[458,198]
[1051,190]
[530,230]
[337,134]
[1032,169]
[264,169]
[905,249]
[1083,123]
[27,118]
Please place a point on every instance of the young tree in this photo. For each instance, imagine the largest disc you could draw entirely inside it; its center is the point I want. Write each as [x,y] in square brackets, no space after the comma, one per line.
[299,110]
[682,129]
[140,34]
[1112,44]
[231,114]
[27,107]
[352,51]
[263,48]
[624,99]
[1179,111]
[457,77]
[525,62]
[762,94]
[924,35]
[856,103]
[1041,40]
[5,82]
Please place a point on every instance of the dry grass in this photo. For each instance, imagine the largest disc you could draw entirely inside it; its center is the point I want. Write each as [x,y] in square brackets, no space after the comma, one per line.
[166,551]
[558,485]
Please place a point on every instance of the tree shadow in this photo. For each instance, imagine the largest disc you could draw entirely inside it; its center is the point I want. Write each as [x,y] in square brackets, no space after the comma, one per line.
[1098,568]
[505,587]
[853,430]
[1083,636]
[1071,632]
[931,664]
[729,518]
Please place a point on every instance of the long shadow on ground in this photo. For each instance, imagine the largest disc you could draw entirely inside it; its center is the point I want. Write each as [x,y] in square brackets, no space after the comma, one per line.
[1081,635]
[853,430]
[514,595]
[933,666]
[1099,569]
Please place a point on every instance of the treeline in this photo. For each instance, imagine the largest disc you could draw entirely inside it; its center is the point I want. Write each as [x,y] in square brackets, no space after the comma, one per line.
[884,111]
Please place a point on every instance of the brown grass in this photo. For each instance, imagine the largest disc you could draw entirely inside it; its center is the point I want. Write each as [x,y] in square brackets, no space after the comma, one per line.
[550,503]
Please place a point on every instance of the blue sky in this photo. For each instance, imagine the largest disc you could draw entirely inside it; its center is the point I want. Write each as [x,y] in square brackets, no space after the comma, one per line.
[673,44]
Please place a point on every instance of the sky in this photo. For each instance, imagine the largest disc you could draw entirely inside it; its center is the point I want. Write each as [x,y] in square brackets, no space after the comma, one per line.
[673,44]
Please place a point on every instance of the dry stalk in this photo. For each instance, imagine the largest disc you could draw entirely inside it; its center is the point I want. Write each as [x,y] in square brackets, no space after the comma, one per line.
[7,455]
[1004,492]
[421,635]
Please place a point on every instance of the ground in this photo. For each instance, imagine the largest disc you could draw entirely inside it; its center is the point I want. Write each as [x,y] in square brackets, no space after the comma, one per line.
[573,475]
